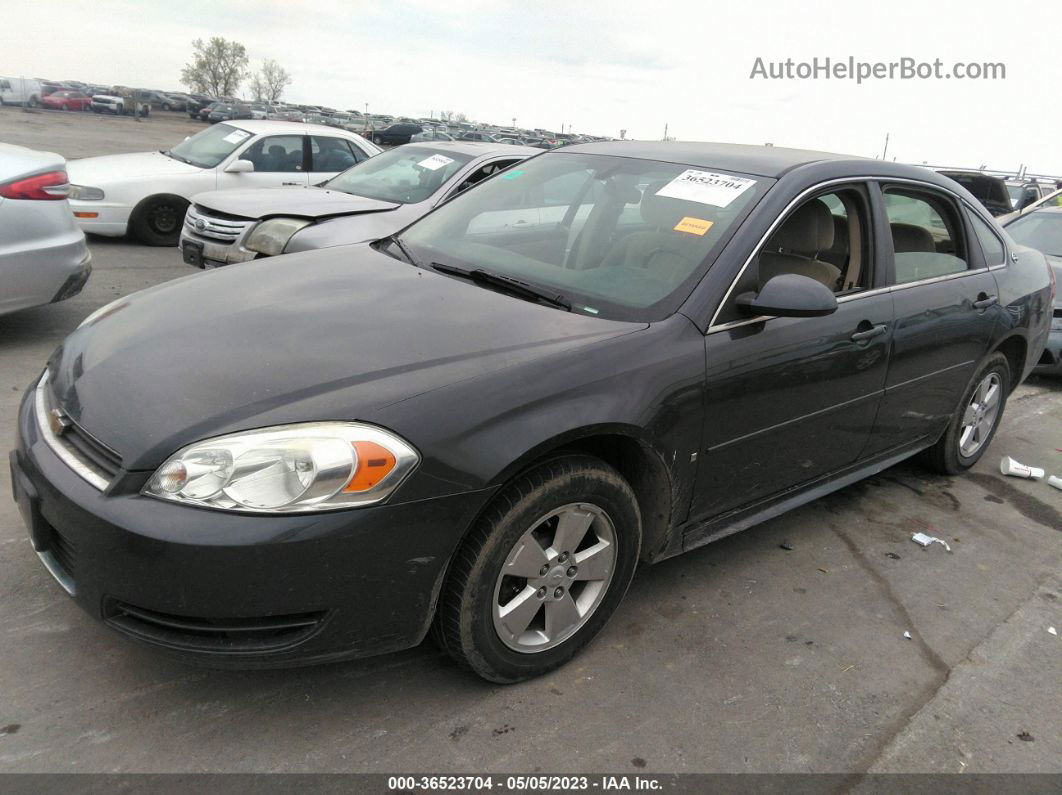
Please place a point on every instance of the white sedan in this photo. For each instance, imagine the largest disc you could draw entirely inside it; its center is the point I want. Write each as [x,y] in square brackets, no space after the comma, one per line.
[146,193]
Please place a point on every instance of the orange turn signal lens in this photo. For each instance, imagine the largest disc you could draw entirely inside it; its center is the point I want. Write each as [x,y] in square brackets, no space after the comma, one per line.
[86,215]
[375,462]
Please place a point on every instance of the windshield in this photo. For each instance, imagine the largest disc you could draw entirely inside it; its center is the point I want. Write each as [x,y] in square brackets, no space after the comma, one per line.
[407,174]
[209,147]
[618,237]
[1040,230]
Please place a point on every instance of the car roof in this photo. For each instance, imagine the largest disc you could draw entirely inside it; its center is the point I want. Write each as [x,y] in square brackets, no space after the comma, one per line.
[763,161]
[477,148]
[260,126]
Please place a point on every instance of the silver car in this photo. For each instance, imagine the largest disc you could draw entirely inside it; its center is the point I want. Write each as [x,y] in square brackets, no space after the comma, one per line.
[368,201]
[43,254]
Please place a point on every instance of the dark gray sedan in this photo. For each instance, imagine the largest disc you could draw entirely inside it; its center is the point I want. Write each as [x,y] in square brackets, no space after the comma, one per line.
[368,201]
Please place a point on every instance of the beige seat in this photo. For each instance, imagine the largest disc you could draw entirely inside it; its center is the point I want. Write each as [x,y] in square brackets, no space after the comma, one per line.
[797,243]
[670,254]
[909,238]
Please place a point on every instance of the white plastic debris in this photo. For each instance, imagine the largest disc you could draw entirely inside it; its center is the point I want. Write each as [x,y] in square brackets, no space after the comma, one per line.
[1052,630]
[907,635]
[1008,466]
[924,540]
[1055,481]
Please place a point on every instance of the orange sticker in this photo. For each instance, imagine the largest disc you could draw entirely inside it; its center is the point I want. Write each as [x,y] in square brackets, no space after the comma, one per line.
[694,226]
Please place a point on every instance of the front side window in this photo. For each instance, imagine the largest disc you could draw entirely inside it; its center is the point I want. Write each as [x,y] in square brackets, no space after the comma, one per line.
[208,148]
[1040,230]
[927,236]
[276,154]
[618,237]
[826,238]
[407,174]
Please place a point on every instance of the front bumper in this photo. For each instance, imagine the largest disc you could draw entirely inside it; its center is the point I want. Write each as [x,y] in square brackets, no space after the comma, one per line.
[235,590]
[109,219]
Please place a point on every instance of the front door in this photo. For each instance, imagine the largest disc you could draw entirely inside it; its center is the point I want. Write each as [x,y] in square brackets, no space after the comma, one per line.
[278,160]
[789,400]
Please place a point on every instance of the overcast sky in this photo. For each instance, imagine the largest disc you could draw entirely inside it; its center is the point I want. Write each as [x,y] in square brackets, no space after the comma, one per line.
[606,66]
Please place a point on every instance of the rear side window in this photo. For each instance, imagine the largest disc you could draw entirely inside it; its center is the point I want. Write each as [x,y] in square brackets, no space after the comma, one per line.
[991,245]
[333,154]
[927,236]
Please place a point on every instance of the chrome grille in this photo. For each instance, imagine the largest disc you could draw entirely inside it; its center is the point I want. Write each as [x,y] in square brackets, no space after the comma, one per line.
[86,455]
[215,226]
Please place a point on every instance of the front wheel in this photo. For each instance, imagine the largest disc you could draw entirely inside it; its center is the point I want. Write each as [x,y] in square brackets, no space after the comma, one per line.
[542,570]
[157,221]
[976,419]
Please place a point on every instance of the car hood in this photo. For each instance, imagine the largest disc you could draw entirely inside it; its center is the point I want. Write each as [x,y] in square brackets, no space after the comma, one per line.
[333,334]
[301,202]
[114,168]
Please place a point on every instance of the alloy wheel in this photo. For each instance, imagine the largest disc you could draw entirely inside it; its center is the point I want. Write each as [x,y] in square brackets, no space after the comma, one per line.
[980,415]
[554,578]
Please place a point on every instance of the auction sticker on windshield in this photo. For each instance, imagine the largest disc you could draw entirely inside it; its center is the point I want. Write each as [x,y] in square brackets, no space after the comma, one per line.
[435,161]
[236,136]
[706,187]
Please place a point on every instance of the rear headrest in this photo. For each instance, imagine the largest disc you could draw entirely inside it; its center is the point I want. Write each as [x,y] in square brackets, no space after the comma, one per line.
[663,211]
[807,231]
[908,238]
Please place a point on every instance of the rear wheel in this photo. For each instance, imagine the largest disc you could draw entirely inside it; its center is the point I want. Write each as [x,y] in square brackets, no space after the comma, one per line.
[66,107]
[542,570]
[157,220]
[974,423]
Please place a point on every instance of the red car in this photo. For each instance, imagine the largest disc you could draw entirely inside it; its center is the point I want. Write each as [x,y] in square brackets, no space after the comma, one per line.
[66,100]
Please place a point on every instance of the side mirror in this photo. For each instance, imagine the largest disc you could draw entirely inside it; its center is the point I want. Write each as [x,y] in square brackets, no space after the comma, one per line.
[790,295]
[240,167]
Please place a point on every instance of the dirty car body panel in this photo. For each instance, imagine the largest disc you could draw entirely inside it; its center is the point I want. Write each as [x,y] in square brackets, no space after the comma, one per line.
[717,418]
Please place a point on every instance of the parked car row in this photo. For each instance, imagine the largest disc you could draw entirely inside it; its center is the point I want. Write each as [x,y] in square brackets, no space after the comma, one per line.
[146,194]
[483,415]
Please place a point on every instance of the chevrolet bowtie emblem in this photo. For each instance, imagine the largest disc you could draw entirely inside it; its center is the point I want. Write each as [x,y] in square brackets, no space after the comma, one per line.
[58,422]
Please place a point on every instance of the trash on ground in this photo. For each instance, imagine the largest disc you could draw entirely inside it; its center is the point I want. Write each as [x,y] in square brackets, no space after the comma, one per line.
[1055,481]
[1024,736]
[892,555]
[1052,630]
[925,540]
[1008,466]
[824,571]
[786,546]
[907,635]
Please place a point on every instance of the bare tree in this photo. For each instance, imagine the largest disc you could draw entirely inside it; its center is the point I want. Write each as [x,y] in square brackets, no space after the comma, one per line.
[269,82]
[217,67]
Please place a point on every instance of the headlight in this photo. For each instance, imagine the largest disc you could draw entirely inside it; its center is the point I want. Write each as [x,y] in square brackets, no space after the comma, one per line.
[316,466]
[270,237]
[85,193]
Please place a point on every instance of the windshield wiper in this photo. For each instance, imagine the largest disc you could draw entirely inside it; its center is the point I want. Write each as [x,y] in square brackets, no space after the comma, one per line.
[168,153]
[506,284]
[405,251]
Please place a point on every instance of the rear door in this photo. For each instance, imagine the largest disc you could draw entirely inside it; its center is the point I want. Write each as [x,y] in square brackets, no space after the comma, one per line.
[331,154]
[946,306]
[790,400]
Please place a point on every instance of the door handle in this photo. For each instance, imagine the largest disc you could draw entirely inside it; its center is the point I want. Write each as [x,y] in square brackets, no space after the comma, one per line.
[984,301]
[870,333]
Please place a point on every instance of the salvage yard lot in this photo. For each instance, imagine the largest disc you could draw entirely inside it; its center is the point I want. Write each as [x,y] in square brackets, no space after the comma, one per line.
[741,656]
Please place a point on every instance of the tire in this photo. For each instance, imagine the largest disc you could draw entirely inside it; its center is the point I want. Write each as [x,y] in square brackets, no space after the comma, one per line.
[956,451]
[470,623]
[156,221]
[34,101]
[66,107]
[165,106]
[376,139]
